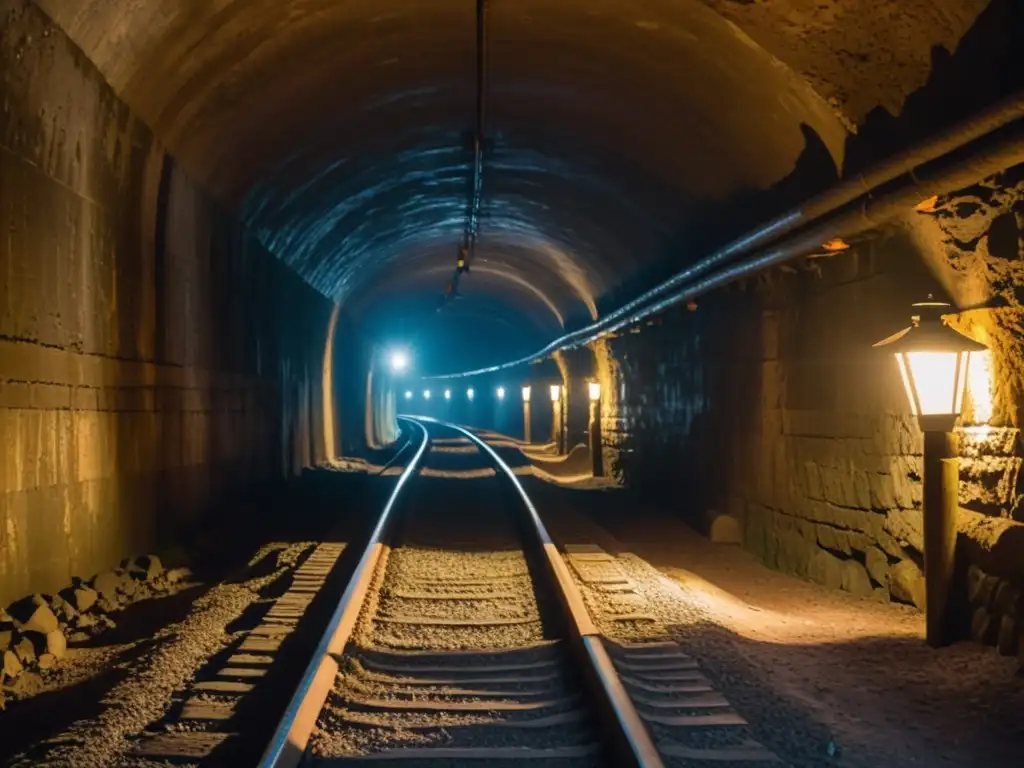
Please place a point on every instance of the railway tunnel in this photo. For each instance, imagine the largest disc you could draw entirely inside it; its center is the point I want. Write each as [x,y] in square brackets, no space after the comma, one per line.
[234,251]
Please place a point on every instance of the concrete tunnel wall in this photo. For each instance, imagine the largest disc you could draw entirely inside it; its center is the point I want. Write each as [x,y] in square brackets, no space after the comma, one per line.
[154,359]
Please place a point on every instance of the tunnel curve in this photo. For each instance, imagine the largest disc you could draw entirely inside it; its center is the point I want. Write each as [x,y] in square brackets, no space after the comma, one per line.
[338,133]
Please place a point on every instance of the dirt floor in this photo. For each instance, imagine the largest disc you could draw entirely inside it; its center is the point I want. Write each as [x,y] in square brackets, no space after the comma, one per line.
[860,669]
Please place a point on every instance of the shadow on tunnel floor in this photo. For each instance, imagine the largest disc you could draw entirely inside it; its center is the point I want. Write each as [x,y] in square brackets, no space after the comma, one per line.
[875,702]
[811,667]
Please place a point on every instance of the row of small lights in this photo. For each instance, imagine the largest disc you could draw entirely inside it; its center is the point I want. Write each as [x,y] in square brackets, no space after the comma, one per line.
[594,389]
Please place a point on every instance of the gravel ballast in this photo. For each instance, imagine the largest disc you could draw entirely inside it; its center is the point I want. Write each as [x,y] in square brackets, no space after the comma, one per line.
[160,668]
[451,659]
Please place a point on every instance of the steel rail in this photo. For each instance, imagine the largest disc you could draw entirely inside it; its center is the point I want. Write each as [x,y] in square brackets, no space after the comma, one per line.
[964,154]
[290,738]
[633,741]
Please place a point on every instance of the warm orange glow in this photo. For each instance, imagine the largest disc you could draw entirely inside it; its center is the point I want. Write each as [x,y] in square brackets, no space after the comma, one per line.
[594,390]
[979,383]
[526,394]
[556,392]
[906,384]
[836,245]
[934,376]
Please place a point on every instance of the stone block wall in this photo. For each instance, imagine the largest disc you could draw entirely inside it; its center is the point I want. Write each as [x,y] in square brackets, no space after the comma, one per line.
[768,403]
[153,358]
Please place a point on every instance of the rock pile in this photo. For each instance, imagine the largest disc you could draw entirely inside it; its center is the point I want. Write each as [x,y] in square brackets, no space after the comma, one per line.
[35,630]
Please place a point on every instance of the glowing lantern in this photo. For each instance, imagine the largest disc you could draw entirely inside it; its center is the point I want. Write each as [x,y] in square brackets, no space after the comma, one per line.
[556,392]
[526,394]
[594,390]
[933,360]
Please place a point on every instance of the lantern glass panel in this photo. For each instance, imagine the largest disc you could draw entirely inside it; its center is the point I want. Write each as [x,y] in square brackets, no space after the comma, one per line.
[935,378]
[961,382]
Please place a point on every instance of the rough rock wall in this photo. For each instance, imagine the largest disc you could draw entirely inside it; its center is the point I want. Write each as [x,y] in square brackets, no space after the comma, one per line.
[768,403]
[974,241]
[858,54]
[152,358]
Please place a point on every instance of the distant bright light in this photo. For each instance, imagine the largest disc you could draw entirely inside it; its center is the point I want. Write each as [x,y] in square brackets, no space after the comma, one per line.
[470,393]
[594,388]
[399,361]
[408,395]
[556,392]
[501,393]
[526,394]
[447,394]
[426,394]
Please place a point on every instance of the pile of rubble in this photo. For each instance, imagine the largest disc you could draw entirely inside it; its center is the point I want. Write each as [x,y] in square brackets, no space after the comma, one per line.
[35,630]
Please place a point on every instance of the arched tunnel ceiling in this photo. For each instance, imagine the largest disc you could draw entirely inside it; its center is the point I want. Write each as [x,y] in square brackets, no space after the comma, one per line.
[337,129]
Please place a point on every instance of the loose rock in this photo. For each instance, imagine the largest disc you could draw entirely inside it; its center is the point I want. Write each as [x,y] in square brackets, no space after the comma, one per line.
[907,583]
[146,567]
[56,644]
[81,597]
[12,665]
[25,651]
[64,610]
[47,661]
[108,585]
[174,575]
[33,614]
[724,529]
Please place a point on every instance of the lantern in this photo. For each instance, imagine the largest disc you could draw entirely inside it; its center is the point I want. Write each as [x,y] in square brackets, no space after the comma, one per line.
[933,361]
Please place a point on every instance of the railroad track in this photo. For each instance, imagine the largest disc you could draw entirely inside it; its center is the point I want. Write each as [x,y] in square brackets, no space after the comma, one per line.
[461,638]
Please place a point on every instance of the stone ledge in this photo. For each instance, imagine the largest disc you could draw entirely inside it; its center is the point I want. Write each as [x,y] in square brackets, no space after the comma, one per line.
[995,544]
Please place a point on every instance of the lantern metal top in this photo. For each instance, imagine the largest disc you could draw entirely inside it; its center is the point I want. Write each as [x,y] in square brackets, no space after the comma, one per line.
[929,333]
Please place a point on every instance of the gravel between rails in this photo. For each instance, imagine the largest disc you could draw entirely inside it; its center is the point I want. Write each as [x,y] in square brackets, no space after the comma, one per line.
[177,653]
[451,652]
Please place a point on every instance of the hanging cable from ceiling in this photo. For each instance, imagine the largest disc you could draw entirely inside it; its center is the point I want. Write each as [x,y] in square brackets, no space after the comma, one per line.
[467,247]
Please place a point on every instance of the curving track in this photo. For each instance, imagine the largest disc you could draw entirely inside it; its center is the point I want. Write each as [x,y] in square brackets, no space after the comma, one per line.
[461,637]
